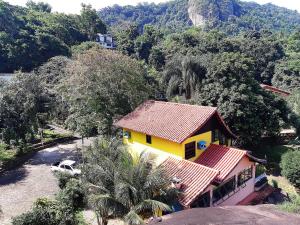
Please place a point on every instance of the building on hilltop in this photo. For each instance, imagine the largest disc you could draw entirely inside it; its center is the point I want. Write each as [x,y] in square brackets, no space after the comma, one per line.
[106,41]
[275,90]
[193,144]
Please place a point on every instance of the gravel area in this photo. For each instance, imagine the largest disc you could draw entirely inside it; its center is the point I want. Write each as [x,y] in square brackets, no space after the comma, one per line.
[20,187]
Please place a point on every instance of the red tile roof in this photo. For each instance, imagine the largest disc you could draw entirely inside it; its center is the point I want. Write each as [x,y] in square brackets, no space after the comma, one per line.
[275,90]
[172,121]
[195,177]
[221,158]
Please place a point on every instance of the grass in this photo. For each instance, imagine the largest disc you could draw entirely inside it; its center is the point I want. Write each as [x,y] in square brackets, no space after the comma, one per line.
[6,154]
[283,183]
[293,206]
[50,135]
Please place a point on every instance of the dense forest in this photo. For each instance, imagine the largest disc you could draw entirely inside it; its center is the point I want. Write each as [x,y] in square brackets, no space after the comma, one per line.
[73,81]
[30,36]
[230,16]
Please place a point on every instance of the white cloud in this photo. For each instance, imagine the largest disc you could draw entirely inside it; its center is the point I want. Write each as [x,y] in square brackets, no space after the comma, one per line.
[73,6]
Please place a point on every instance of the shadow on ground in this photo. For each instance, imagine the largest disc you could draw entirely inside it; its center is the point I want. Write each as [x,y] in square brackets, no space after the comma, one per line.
[50,156]
[13,176]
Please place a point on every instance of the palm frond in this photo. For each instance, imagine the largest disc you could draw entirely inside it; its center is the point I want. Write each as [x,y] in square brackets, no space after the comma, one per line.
[132,218]
[152,206]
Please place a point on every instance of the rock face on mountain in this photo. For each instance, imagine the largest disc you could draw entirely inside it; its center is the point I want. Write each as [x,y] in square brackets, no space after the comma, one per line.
[202,12]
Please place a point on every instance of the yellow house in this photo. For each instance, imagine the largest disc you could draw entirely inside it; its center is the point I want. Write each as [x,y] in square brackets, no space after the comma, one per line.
[194,144]
[182,130]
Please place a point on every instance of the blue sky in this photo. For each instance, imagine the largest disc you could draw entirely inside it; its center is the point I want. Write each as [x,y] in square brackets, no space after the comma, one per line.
[73,6]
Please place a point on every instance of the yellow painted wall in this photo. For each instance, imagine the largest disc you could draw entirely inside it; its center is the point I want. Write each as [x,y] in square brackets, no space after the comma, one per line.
[157,143]
[169,146]
[201,137]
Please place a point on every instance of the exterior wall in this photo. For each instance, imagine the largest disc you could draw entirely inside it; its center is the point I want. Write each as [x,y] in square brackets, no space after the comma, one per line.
[200,137]
[167,146]
[242,192]
[157,143]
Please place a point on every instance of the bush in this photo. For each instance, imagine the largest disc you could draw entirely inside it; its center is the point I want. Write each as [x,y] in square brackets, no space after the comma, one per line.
[63,179]
[293,206]
[290,165]
[48,212]
[73,194]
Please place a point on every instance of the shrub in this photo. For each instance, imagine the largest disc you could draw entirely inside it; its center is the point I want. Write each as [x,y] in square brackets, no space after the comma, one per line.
[63,179]
[293,206]
[73,194]
[290,165]
[47,212]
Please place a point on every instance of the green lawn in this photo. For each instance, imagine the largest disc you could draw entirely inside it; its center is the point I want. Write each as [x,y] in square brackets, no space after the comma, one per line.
[50,135]
[6,154]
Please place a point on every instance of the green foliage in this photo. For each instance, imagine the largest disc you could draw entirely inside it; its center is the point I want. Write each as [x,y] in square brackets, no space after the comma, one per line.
[47,212]
[63,179]
[169,16]
[40,6]
[122,185]
[101,86]
[230,16]
[292,206]
[90,22]
[84,46]
[73,194]
[20,103]
[30,36]
[290,165]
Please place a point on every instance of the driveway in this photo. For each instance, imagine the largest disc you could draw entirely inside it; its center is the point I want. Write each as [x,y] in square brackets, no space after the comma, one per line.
[20,187]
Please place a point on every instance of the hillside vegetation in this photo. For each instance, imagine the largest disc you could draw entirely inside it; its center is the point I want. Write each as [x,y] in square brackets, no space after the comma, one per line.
[231,16]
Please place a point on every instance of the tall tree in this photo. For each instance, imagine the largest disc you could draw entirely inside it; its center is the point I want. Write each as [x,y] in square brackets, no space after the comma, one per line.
[102,85]
[90,22]
[183,75]
[40,6]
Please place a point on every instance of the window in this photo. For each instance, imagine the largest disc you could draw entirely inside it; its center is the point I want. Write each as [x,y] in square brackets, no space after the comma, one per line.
[244,176]
[68,167]
[222,139]
[190,150]
[215,135]
[148,139]
[224,190]
[127,134]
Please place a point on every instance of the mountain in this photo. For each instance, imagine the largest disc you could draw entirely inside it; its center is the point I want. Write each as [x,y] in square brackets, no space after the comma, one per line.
[230,16]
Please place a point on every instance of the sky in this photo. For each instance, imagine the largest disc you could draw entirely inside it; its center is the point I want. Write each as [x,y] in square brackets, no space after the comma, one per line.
[73,6]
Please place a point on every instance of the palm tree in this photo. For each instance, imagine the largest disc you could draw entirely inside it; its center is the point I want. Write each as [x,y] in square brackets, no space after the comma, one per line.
[124,186]
[183,74]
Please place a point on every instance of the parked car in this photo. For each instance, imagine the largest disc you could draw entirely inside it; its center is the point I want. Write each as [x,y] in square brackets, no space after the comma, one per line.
[67,166]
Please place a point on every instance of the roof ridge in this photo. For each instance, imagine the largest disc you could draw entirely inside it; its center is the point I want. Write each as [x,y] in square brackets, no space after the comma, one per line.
[177,103]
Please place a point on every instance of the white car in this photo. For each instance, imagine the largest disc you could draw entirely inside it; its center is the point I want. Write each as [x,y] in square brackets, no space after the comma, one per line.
[67,166]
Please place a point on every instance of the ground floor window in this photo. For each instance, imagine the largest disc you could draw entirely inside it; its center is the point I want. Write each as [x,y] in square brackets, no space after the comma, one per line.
[224,189]
[244,176]
[190,150]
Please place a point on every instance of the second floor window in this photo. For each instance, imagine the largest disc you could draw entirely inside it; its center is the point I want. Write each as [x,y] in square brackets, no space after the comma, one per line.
[215,135]
[148,139]
[190,150]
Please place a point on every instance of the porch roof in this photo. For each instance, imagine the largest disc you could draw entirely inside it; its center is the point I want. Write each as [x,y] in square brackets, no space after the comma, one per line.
[221,158]
[195,178]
